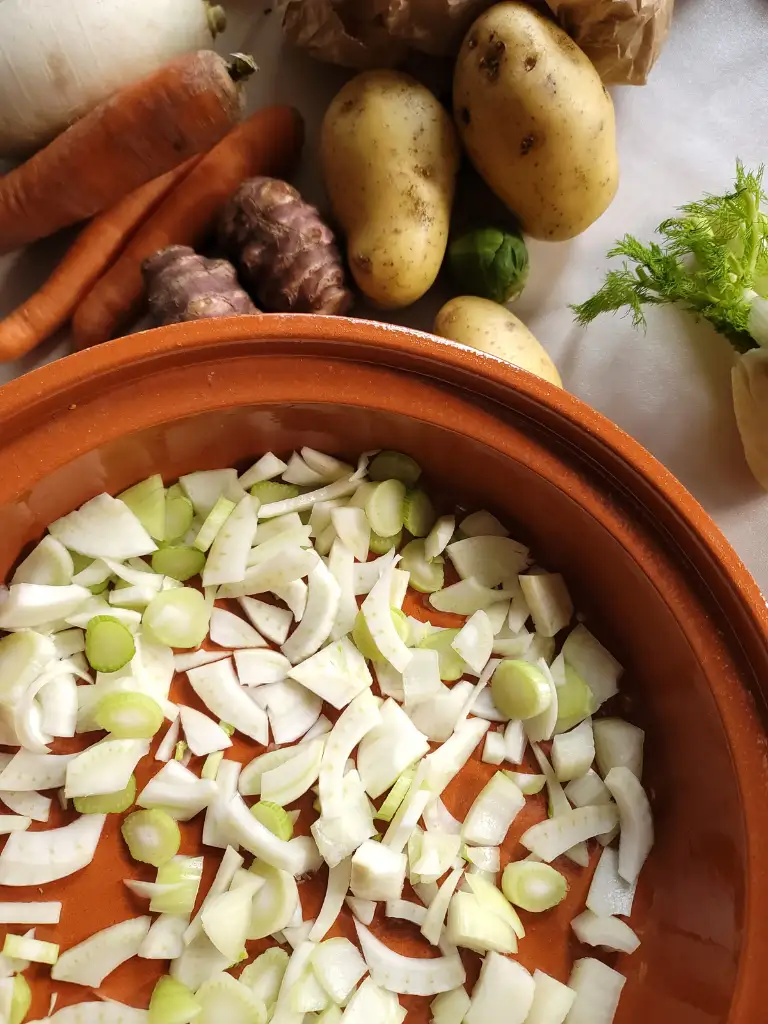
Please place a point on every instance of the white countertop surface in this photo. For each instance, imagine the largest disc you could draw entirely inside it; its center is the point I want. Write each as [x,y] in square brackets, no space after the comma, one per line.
[679,136]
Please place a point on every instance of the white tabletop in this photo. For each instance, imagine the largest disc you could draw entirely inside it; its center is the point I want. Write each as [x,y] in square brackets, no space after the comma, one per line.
[679,136]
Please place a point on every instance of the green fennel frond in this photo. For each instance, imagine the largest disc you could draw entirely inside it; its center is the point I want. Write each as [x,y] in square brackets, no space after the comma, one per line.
[708,259]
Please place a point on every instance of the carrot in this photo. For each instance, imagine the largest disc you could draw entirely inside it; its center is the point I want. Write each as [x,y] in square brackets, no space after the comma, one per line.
[92,252]
[138,134]
[268,143]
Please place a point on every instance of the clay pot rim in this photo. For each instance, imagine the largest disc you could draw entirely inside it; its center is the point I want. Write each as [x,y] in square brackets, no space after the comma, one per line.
[58,377]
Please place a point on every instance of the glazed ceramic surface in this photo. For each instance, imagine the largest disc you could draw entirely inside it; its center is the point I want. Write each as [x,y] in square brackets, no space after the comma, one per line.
[649,571]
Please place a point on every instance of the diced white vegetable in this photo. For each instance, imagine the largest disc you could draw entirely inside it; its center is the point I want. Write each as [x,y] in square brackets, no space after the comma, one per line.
[549,602]
[339,837]
[482,524]
[636,821]
[178,791]
[609,893]
[402,974]
[353,530]
[103,527]
[495,749]
[486,858]
[165,938]
[34,858]
[299,473]
[598,990]
[515,742]
[58,705]
[450,1007]
[29,804]
[490,560]
[265,975]
[271,621]
[377,612]
[364,910]
[590,660]
[541,727]
[28,605]
[283,568]
[438,818]
[466,597]
[92,960]
[261,667]
[421,677]
[605,931]
[338,673]
[357,719]
[550,839]
[226,917]
[551,1000]
[292,709]
[474,641]
[336,891]
[437,716]
[13,823]
[230,631]
[266,468]
[294,595]
[434,920]
[297,965]
[371,1003]
[389,749]
[202,734]
[366,574]
[338,489]
[103,768]
[205,487]
[287,782]
[275,904]
[439,536]
[223,998]
[257,839]
[498,614]
[316,625]
[503,993]
[26,771]
[445,763]
[339,967]
[493,811]
[97,1013]
[378,872]
[589,789]
[573,752]
[30,913]
[216,830]
[618,744]
[218,688]
[49,564]
[227,559]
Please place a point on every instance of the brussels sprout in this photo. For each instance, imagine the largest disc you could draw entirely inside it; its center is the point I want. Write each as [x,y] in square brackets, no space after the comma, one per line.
[490,263]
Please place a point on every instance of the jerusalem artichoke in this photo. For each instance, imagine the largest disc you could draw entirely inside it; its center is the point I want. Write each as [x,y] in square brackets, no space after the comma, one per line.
[183,286]
[285,253]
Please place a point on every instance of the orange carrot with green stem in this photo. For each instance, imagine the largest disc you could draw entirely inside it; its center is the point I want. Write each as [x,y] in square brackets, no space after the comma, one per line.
[267,143]
[92,252]
[138,134]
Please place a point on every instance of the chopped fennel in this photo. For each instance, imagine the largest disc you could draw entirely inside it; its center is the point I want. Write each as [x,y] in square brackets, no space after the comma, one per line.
[103,527]
[292,709]
[338,884]
[608,932]
[30,913]
[230,631]
[573,752]
[323,595]
[635,819]
[598,989]
[389,749]
[203,735]
[377,872]
[404,910]
[364,910]
[265,975]
[226,918]
[493,811]
[474,926]
[178,791]
[503,993]
[287,782]
[609,894]
[92,960]
[488,559]
[218,688]
[271,621]
[618,744]
[34,858]
[337,673]
[28,605]
[450,1007]
[260,667]
[19,947]
[275,903]
[551,1000]
[549,839]
[165,938]
[105,767]
[224,999]
[402,974]
[434,919]
[494,750]
[589,789]
[357,719]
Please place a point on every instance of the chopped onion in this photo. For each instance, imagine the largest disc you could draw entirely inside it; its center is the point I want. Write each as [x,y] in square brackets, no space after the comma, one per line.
[49,564]
[205,487]
[357,719]
[403,910]
[618,744]
[573,752]
[432,928]
[106,767]
[609,893]
[172,1002]
[224,999]
[178,791]
[503,993]
[216,831]
[165,938]
[549,602]
[635,819]
[436,853]
[605,931]
[257,839]
[199,962]
[378,872]
[493,811]
[226,917]
[337,673]
[439,536]
[589,789]
[476,927]
[284,1012]
[598,990]
[494,750]
[364,910]
[218,688]
[315,627]
[397,973]
[92,960]
[287,782]
[437,716]
[450,1007]
[274,905]
[260,667]
[103,527]
[23,656]
[551,1000]
[30,913]
[549,839]
[486,858]
[338,884]
[438,818]
[265,975]
[596,666]
[34,858]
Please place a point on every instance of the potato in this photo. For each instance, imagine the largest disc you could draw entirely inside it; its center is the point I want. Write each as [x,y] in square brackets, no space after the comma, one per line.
[482,324]
[390,158]
[536,121]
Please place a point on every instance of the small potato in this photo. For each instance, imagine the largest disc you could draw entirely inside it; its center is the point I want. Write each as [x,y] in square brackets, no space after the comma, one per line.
[390,157]
[536,121]
[484,325]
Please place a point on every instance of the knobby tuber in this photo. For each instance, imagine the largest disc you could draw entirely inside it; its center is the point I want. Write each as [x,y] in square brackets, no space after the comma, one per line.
[183,286]
[286,255]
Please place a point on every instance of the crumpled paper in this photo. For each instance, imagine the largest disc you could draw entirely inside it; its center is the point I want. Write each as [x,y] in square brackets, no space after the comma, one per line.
[622,37]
